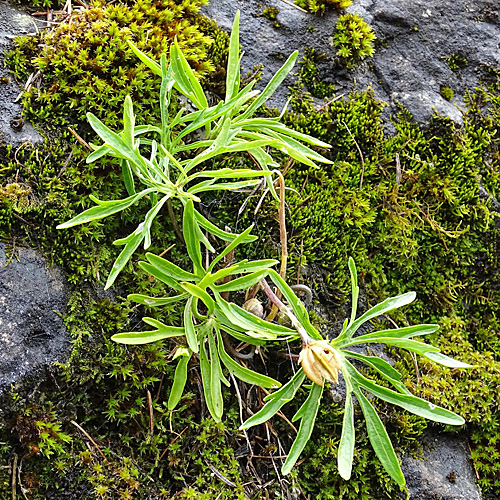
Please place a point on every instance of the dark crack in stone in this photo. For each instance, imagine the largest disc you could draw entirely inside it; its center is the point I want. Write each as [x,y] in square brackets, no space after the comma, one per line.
[32,335]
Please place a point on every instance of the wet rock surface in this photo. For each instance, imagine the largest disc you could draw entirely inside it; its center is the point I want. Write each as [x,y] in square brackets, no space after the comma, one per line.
[32,335]
[417,42]
[444,473]
[13,130]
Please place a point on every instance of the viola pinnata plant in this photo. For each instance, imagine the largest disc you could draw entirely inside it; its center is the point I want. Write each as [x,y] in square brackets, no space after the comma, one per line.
[172,169]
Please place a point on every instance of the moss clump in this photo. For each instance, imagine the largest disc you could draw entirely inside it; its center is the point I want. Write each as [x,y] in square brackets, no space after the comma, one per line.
[321,6]
[308,77]
[271,13]
[354,39]
[87,65]
[455,62]
[446,93]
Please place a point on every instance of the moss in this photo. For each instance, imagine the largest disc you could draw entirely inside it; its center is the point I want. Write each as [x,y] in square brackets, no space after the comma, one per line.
[309,78]
[455,62]
[86,64]
[271,13]
[446,93]
[321,6]
[353,39]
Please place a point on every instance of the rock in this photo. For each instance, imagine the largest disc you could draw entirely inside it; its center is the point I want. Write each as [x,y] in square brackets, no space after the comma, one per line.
[32,335]
[13,130]
[415,41]
[445,473]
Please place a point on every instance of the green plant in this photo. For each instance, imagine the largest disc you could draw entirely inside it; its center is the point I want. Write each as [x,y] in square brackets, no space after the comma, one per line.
[228,127]
[353,38]
[320,6]
[271,13]
[208,316]
[446,93]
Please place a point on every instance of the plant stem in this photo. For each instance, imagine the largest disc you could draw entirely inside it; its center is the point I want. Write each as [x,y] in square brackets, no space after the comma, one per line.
[286,310]
[171,214]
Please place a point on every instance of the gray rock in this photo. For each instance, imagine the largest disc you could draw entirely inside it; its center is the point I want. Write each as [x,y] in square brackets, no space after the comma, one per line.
[413,38]
[32,335]
[13,130]
[445,473]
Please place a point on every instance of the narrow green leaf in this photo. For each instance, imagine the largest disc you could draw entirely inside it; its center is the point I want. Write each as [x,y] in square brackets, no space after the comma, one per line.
[296,305]
[162,276]
[156,301]
[128,178]
[240,238]
[307,412]
[233,62]
[223,235]
[355,288]
[243,283]
[211,386]
[229,173]
[215,381]
[111,139]
[162,332]
[380,441]
[180,378]
[150,63]
[406,332]
[346,446]
[410,345]
[254,265]
[411,403]
[247,320]
[185,78]
[247,337]
[271,86]
[166,267]
[189,230]
[99,152]
[276,400]
[384,368]
[239,371]
[222,186]
[104,209]
[131,243]
[189,326]
[198,292]
[382,308]
[128,122]
[442,359]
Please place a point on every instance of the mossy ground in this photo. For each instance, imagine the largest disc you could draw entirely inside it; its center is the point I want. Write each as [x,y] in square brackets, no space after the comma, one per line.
[415,210]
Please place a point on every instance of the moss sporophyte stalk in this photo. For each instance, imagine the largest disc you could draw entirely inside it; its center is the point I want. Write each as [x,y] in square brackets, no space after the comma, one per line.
[208,290]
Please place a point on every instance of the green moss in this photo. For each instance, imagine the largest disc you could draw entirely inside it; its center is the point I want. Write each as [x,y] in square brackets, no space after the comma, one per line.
[353,39]
[455,62]
[86,64]
[321,6]
[271,13]
[446,93]
[309,78]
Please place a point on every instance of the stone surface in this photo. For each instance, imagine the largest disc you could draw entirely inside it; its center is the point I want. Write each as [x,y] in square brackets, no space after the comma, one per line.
[413,38]
[445,473]
[32,335]
[13,22]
